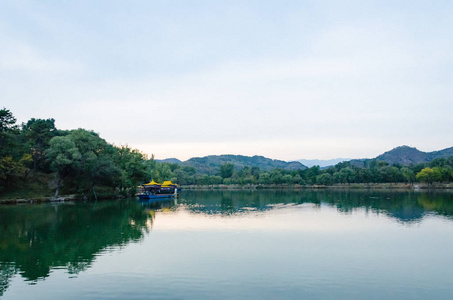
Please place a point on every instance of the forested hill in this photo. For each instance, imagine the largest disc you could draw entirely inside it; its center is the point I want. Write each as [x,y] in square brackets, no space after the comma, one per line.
[211,164]
[405,156]
[169,160]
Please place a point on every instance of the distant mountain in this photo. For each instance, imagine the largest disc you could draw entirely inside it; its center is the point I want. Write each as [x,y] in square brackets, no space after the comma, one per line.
[211,164]
[405,155]
[322,163]
[169,160]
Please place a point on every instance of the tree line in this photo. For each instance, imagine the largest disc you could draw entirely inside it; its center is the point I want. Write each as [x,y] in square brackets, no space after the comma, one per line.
[374,171]
[38,158]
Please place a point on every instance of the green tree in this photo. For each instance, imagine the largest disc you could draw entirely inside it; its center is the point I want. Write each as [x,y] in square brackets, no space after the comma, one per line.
[164,172]
[276,176]
[324,179]
[216,179]
[346,175]
[226,170]
[447,173]
[391,174]
[298,180]
[312,172]
[95,165]
[250,179]
[205,180]
[134,168]
[408,174]
[8,130]
[7,120]
[38,132]
[11,168]
[287,178]
[363,175]
[255,172]
[264,178]
[64,156]
[429,175]
[13,161]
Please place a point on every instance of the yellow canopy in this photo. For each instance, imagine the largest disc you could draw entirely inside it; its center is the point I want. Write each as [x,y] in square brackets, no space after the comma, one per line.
[168,183]
[152,183]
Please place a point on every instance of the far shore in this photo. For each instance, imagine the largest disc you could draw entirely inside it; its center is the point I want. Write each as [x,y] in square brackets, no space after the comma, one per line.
[343,186]
[352,186]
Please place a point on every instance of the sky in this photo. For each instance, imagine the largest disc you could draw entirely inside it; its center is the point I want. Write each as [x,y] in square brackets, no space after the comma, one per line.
[282,79]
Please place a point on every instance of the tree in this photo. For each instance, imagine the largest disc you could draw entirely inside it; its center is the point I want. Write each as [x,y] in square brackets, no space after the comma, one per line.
[447,173]
[13,162]
[7,132]
[133,167]
[7,120]
[287,179]
[38,132]
[276,176]
[346,175]
[363,175]
[95,163]
[10,168]
[265,178]
[391,174]
[250,179]
[226,170]
[164,172]
[216,179]
[298,180]
[312,172]
[324,179]
[63,156]
[255,172]
[429,175]
[408,174]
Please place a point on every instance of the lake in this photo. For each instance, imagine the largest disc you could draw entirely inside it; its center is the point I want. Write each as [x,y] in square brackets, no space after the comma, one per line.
[262,244]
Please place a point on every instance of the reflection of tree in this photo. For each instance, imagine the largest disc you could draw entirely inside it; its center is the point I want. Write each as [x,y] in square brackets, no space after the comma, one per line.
[7,271]
[36,238]
[227,205]
[438,203]
[405,207]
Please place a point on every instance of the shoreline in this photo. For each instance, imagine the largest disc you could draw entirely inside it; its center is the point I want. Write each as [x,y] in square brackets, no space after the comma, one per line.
[366,186]
[38,200]
[296,187]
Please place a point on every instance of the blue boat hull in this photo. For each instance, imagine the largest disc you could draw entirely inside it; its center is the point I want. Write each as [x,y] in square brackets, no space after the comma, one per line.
[155,196]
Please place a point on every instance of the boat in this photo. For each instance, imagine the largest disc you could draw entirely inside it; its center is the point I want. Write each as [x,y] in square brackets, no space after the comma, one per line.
[154,190]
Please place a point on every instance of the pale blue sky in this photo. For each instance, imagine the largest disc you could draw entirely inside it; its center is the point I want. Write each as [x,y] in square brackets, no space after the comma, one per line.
[283,79]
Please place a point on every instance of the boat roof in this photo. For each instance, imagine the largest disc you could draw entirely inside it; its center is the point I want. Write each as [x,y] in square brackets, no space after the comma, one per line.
[165,184]
[152,183]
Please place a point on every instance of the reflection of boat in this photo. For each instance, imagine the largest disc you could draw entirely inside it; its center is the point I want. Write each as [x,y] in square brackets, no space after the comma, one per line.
[154,190]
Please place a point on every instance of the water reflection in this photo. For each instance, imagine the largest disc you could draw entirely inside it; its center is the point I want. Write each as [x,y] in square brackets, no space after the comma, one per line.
[37,238]
[405,207]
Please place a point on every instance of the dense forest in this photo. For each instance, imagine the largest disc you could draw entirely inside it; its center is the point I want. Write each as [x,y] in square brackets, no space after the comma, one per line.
[36,158]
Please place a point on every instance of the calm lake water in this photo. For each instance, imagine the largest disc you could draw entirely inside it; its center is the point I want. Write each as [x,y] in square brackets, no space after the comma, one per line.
[232,245]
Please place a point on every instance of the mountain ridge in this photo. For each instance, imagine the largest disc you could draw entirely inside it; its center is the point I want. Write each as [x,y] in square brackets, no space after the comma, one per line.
[322,162]
[402,155]
[406,156]
[211,164]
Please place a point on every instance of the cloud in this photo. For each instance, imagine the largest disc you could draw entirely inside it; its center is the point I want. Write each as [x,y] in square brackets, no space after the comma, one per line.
[299,80]
[20,57]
